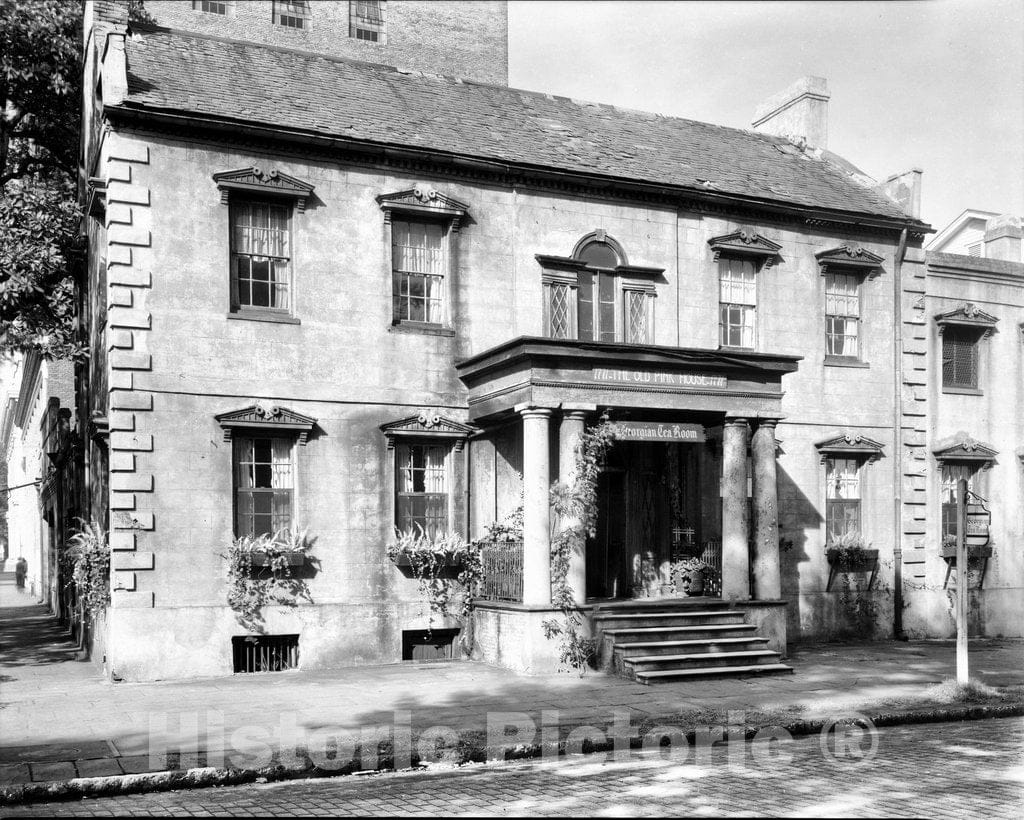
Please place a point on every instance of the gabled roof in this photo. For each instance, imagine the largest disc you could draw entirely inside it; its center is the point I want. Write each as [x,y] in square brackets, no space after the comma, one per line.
[228,81]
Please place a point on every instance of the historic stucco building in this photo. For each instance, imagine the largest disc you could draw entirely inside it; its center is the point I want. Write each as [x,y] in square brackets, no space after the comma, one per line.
[327,292]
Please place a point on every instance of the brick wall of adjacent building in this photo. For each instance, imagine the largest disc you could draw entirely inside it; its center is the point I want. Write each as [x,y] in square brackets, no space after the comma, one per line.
[463,38]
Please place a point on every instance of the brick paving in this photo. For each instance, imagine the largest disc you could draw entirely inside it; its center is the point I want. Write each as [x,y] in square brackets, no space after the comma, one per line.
[948,770]
[59,717]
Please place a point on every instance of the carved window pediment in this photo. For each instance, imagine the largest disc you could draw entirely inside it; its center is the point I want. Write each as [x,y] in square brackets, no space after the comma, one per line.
[427,425]
[566,268]
[849,445]
[424,201]
[266,417]
[850,256]
[967,315]
[261,182]
[962,447]
[747,242]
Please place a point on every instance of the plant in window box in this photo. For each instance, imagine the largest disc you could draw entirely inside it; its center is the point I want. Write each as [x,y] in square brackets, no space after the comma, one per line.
[849,553]
[974,551]
[431,560]
[260,573]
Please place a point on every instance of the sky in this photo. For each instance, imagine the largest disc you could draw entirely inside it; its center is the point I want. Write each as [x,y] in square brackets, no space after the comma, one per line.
[931,84]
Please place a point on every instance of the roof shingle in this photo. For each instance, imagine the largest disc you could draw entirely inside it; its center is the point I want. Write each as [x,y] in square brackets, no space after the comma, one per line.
[182,72]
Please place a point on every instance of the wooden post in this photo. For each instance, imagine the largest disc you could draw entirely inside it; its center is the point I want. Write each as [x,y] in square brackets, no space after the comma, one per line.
[962,674]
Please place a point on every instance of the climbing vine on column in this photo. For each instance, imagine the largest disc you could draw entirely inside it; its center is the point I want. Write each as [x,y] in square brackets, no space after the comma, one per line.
[576,508]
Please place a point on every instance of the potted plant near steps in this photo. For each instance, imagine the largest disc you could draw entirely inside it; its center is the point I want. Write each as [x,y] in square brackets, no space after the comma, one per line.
[687,576]
[850,553]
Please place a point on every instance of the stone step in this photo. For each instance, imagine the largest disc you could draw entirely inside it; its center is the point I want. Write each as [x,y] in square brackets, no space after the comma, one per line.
[701,660]
[603,622]
[676,675]
[660,604]
[630,634]
[640,648]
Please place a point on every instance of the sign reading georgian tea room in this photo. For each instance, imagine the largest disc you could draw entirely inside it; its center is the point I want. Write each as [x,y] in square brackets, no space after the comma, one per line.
[655,378]
[658,431]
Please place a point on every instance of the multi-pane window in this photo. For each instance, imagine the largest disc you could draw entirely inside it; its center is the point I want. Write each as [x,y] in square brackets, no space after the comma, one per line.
[366,20]
[960,357]
[561,306]
[737,297]
[264,484]
[596,306]
[211,6]
[260,256]
[636,317]
[842,314]
[292,13]
[842,498]
[952,472]
[422,488]
[418,270]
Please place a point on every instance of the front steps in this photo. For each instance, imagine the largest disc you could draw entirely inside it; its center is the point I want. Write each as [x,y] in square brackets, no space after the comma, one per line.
[681,639]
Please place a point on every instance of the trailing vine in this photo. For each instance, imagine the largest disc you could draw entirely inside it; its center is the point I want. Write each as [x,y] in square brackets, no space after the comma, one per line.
[88,558]
[260,574]
[576,508]
[431,561]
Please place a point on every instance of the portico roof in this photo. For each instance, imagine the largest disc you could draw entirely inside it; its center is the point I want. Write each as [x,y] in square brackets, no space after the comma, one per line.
[550,372]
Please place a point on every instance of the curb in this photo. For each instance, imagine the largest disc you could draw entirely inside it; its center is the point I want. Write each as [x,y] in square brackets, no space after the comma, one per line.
[209,776]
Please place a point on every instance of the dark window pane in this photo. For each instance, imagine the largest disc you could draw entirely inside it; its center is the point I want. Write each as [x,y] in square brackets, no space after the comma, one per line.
[607,307]
[600,255]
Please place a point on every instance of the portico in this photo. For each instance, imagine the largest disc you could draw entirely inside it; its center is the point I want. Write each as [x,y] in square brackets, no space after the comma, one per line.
[715,412]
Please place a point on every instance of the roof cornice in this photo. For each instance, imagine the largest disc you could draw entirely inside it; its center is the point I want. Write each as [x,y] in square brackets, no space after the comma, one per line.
[695,198]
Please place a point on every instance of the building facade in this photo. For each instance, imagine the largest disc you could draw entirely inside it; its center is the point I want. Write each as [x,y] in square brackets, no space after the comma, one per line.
[330,293]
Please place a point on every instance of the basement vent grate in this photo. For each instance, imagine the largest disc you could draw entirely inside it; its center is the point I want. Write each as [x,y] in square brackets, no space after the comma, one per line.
[265,653]
[428,645]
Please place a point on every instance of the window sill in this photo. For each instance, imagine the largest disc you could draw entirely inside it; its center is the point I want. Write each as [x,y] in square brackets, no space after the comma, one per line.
[261,316]
[844,361]
[737,348]
[425,328]
[963,391]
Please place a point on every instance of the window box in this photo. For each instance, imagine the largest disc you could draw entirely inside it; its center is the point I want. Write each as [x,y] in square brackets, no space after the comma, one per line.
[293,559]
[407,559]
[948,551]
[852,560]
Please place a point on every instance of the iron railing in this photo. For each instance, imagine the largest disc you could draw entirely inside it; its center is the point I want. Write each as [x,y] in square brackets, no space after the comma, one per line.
[503,571]
[712,556]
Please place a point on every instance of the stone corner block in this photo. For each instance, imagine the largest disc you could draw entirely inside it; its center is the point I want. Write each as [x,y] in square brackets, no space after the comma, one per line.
[122,541]
[130,360]
[131,600]
[133,560]
[132,520]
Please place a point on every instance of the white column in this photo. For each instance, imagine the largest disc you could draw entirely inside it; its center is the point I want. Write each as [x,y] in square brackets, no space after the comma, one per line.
[569,433]
[767,570]
[536,506]
[735,526]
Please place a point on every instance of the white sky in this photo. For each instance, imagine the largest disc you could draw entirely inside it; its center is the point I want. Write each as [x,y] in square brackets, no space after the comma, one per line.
[936,84]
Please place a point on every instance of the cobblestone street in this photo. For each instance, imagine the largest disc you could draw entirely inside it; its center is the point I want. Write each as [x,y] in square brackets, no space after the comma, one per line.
[973,769]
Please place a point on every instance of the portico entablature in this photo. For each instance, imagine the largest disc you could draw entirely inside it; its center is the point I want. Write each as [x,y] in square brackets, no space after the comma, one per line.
[550,372]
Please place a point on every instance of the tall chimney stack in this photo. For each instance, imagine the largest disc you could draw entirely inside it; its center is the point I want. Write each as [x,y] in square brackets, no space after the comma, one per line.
[799,112]
[1003,238]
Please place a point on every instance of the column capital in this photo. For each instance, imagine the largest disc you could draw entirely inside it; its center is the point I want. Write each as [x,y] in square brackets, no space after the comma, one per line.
[736,421]
[578,406]
[771,423]
[526,410]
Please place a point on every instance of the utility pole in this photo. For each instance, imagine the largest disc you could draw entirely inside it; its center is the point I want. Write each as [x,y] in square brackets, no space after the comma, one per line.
[962,674]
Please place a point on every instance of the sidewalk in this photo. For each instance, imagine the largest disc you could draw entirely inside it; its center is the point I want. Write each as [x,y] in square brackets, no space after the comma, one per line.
[59,720]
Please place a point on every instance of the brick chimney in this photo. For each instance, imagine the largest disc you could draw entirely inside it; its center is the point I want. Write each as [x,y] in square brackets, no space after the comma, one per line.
[799,112]
[1003,238]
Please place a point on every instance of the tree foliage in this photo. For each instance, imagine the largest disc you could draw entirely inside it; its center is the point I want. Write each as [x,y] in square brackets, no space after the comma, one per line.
[40,84]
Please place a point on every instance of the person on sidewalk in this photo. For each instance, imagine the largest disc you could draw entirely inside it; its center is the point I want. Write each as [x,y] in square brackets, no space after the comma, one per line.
[20,571]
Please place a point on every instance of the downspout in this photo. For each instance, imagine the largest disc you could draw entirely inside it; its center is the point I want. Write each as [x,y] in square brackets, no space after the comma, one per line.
[897,347]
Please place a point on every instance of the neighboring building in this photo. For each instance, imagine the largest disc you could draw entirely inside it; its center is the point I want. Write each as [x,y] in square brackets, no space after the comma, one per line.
[35,444]
[980,234]
[963,400]
[340,295]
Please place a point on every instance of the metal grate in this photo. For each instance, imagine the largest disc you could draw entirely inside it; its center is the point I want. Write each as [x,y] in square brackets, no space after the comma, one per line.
[265,653]
[502,571]
[712,556]
[959,357]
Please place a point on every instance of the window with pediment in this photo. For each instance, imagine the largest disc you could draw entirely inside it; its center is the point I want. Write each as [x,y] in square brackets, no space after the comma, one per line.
[422,224]
[261,212]
[740,256]
[961,457]
[263,440]
[595,295]
[845,459]
[845,270]
[961,335]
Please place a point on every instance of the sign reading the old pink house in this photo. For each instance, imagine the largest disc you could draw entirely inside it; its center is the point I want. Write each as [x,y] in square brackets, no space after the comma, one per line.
[658,378]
